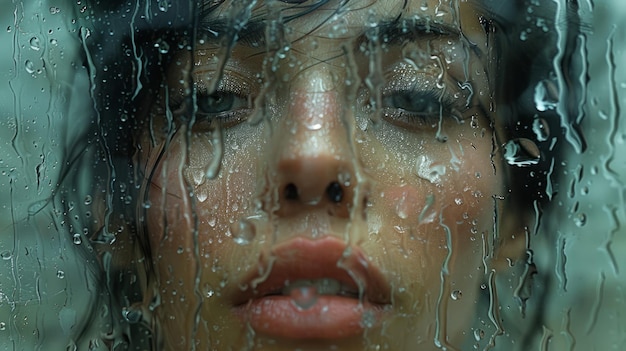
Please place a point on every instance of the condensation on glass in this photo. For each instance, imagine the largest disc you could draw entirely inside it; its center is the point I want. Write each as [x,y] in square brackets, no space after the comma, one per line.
[312,175]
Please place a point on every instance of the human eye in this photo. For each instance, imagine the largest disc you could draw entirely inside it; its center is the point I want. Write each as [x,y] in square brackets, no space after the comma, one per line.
[414,108]
[419,97]
[224,108]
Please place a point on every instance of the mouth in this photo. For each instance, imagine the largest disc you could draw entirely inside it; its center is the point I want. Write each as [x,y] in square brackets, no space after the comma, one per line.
[314,289]
[324,286]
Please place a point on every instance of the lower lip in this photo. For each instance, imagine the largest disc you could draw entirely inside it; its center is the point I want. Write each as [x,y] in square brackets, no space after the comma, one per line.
[327,317]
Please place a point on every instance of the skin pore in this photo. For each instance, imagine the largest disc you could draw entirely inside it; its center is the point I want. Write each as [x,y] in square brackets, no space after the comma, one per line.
[366,150]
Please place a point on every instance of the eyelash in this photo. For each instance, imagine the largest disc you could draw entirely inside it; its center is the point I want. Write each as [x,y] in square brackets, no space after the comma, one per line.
[235,111]
[396,111]
[428,107]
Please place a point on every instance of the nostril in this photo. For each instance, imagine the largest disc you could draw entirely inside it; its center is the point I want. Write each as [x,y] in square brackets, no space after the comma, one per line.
[334,191]
[291,192]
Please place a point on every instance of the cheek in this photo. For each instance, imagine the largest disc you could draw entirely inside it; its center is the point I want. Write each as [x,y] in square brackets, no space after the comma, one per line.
[435,204]
[184,201]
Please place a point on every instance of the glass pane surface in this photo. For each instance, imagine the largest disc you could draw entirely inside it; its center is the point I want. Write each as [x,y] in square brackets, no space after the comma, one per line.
[312,175]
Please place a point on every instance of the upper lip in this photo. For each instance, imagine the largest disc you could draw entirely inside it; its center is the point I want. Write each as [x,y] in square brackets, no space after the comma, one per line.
[301,258]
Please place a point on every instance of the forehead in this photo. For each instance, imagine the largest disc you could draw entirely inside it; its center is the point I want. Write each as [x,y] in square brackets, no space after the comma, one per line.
[337,19]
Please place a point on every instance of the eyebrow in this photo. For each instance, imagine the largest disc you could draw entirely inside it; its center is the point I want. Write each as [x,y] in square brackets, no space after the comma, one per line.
[398,31]
[390,32]
[252,34]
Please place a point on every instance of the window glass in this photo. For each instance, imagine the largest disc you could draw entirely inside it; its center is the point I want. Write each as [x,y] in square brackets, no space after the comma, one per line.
[312,175]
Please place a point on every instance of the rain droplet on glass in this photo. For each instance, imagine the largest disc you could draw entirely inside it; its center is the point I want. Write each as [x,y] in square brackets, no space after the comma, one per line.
[426,169]
[132,314]
[368,320]
[521,152]
[6,255]
[541,129]
[456,295]
[164,5]
[162,46]
[202,194]
[580,220]
[428,213]
[304,297]
[546,95]
[35,44]
[244,232]
[403,207]
[30,66]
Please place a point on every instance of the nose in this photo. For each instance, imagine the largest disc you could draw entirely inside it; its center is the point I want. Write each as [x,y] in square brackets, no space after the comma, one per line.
[314,160]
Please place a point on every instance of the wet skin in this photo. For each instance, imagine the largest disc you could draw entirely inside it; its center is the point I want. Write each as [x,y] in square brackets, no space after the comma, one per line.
[341,140]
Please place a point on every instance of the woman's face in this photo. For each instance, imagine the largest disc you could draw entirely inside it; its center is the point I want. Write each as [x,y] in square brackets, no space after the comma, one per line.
[328,182]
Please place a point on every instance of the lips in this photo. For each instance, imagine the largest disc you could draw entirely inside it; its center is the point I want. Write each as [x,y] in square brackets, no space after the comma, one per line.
[314,289]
